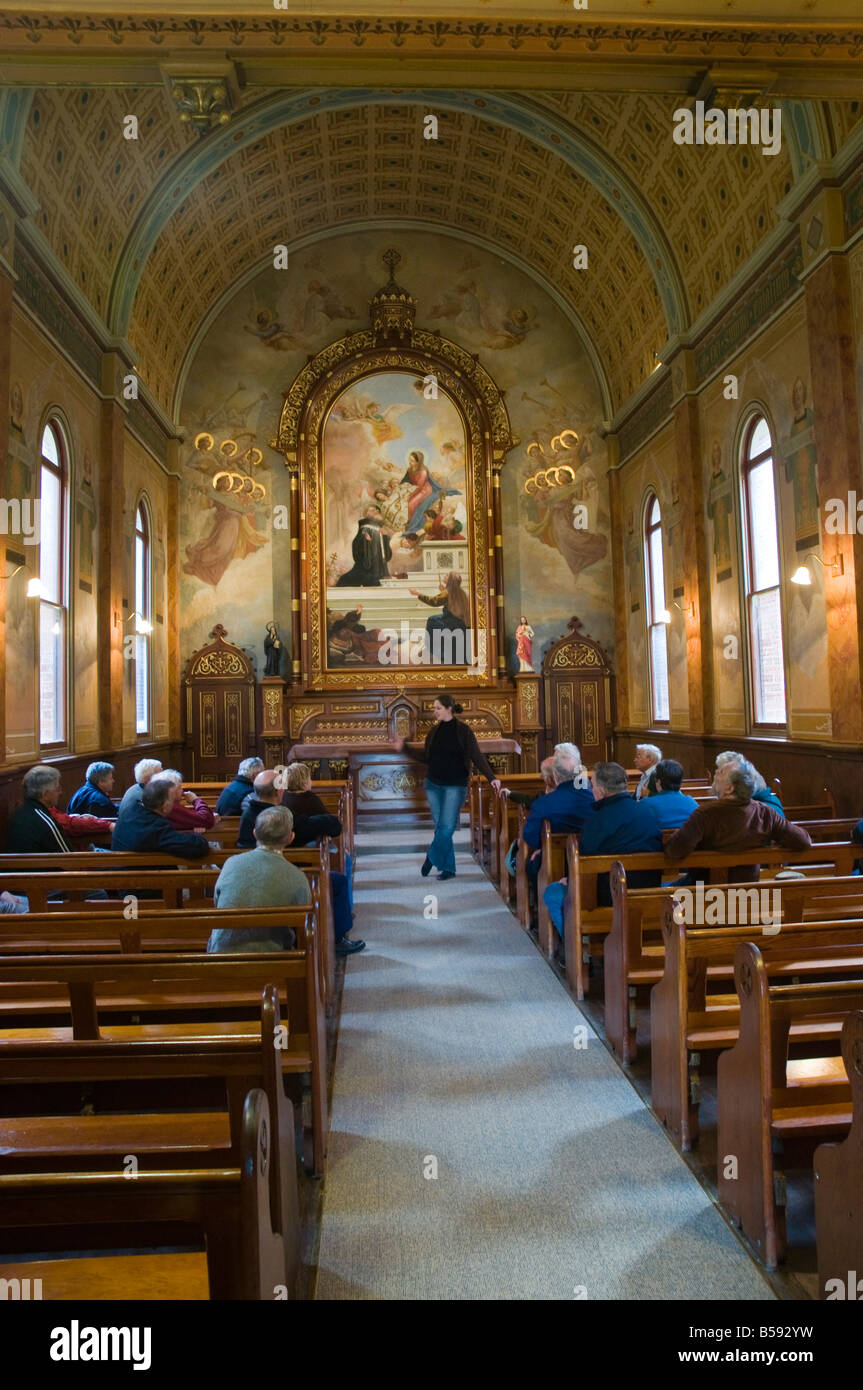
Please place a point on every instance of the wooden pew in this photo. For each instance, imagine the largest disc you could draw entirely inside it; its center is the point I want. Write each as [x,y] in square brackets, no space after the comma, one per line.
[838,1170]
[230,1206]
[179,882]
[67,998]
[634,950]
[507,824]
[765,1097]
[686,1020]
[337,796]
[149,1099]
[584,918]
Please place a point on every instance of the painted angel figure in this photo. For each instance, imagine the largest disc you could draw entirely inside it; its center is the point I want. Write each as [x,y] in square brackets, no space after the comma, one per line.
[524,636]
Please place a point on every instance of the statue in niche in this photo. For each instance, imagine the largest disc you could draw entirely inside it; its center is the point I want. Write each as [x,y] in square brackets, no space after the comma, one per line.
[524,635]
[273,649]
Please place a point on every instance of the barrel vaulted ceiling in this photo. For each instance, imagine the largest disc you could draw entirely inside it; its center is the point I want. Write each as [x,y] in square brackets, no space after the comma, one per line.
[156,231]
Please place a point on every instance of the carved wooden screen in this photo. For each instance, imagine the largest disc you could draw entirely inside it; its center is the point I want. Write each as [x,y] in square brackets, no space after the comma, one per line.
[578,695]
[219,710]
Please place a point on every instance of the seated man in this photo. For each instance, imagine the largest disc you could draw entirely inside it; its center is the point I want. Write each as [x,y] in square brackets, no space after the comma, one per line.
[762,791]
[230,802]
[306,829]
[647,756]
[619,825]
[144,770]
[262,878]
[567,808]
[10,902]
[188,812]
[94,798]
[37,827]
[670,805]
[528,798]
[735,820]
[145,825]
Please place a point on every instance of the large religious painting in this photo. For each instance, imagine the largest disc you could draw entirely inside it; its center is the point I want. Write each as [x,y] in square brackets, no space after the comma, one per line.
[396,531]
[394,438]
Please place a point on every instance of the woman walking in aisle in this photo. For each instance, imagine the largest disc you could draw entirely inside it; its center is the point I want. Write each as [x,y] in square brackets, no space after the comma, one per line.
[450,748]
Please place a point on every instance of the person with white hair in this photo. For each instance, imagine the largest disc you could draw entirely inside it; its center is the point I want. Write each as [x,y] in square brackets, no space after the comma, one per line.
[647,755]
[188,812]
[37,827]
[94,797]
[230,802]
[762,792]
[567,808]
[143,772]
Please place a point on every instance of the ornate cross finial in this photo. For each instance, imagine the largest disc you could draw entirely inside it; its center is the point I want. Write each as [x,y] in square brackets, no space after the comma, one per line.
[391,259]
[219,632]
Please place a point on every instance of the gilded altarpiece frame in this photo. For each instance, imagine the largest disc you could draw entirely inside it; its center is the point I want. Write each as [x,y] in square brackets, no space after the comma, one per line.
[480,405]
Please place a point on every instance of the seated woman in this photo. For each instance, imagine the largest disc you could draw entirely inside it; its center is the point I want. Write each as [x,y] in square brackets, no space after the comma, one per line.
[454,618]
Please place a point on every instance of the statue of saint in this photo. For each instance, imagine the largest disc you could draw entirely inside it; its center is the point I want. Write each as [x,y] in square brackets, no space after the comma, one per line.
[273,649]
[524,635]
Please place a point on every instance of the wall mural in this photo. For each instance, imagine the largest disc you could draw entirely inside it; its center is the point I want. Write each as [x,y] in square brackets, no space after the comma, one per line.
[235,561]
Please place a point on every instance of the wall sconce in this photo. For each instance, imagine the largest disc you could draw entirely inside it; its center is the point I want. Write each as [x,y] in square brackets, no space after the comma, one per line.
[803,574]
[688,611]
[142,627]
[34,586]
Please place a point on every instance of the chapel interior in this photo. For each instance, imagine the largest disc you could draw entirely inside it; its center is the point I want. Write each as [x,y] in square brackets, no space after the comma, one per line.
[357,353]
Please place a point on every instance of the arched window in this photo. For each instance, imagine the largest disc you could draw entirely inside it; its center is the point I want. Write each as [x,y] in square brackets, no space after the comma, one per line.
[53,587]
[761,576]
[142,620]
[657,613]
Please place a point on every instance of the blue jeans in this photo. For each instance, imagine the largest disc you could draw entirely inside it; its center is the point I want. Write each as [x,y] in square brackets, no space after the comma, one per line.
[445,804]
[554,898]
[342,919]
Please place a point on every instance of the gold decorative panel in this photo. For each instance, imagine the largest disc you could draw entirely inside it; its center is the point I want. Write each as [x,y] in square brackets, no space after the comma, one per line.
[207,714]
[233,723]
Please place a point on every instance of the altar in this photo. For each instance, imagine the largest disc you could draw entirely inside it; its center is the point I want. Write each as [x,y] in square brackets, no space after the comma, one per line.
[385,780]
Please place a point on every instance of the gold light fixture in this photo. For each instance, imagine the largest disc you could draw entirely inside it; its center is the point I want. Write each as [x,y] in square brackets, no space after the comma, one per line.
[238,483]
[142,627]
[803,573]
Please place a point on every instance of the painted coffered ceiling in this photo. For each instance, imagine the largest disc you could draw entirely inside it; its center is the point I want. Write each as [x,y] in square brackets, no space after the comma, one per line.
[156,231]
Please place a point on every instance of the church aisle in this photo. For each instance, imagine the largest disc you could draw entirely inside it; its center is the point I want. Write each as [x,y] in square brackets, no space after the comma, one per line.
[456,1054]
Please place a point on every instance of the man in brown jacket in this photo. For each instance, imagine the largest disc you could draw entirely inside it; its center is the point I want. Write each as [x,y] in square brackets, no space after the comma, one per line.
[735,821]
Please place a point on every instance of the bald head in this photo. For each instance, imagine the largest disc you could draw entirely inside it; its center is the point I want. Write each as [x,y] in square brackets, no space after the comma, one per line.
[265,786]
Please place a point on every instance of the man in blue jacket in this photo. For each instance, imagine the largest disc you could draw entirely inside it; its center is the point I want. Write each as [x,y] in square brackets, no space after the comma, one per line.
[94,798]
[670,806]
[145,825]
[567,808]
[230,802]
[619,825]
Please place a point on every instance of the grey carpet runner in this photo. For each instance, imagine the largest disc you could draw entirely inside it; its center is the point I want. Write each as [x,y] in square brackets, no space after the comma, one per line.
[484,1143]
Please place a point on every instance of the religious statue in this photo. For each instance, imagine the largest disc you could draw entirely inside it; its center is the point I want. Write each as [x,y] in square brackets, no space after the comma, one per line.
[273,649]
[524,635]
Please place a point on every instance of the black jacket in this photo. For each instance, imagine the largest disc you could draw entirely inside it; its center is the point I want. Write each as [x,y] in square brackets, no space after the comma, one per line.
[230,802]
[140,829]
[470,749]
[306,828]
[33,830]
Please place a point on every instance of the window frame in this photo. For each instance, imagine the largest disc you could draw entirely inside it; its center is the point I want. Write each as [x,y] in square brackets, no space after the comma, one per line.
[746,466]
[142,639]
[61,604]
[649,529]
